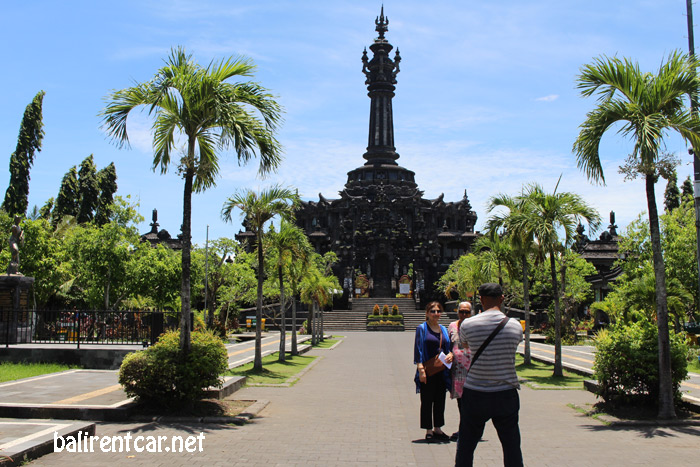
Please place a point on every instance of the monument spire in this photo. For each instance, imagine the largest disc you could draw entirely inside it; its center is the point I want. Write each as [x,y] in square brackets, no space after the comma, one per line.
[381,73]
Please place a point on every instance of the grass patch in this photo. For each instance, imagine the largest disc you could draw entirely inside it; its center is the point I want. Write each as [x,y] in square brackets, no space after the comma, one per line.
[327,343]
[273,372]
[538,375]
[12,371]
[694,366]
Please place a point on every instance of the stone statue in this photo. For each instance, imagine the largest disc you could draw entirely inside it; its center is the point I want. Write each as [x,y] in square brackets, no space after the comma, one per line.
[16,238]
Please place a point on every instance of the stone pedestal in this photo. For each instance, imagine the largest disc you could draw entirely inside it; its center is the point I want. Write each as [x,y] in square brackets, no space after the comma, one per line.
[15,310]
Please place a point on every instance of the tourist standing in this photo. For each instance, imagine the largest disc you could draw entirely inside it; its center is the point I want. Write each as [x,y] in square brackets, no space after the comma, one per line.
[461,356]
[490,390]
[432,376]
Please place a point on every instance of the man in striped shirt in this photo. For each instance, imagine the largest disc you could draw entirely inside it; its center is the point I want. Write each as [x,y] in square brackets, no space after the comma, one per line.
[490,391]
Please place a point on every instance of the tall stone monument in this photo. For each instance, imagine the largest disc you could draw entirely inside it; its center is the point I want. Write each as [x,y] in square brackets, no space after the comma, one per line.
[381,226]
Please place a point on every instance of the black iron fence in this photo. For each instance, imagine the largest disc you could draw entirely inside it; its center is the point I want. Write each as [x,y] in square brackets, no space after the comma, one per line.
[84,326]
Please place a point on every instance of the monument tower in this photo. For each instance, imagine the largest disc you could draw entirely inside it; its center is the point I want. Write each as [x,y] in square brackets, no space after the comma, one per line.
[381,227]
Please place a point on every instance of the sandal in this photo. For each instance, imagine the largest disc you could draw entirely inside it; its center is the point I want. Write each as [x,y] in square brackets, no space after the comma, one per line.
[441,436]
[429,437]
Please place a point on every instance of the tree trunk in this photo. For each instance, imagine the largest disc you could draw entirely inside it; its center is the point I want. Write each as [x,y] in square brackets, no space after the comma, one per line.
[320,333]
[186,260]
[558,371]
[295,350]
[666,408]
[283,330]
[312,322]
[257,365]
[526,300]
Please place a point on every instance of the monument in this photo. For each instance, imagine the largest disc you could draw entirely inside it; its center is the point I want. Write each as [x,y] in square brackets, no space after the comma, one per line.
[390,240]
[15,315]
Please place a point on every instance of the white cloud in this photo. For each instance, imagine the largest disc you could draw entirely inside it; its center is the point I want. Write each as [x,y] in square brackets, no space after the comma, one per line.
[549,98]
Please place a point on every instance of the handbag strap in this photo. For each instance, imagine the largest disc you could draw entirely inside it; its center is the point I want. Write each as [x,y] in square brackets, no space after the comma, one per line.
[487,341]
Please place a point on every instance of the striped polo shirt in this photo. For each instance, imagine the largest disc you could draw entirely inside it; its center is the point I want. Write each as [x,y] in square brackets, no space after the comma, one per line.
[495,368]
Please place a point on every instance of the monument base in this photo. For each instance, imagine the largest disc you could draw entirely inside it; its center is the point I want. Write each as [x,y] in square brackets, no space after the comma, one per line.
[15,311]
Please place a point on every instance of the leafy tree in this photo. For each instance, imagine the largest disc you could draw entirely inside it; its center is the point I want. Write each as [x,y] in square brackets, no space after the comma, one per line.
[44,258]
[496,253]
[687,188]
[67,199]
[45,210]
[317,290]
[259,209]
[547,216]
[648,106]
[31,133]
[88,190]
[154,274]
[464,276]
[672,195]
[209,112]
[107,185]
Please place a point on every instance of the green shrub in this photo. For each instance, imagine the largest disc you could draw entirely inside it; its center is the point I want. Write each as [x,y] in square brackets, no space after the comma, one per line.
[375,310]
[395,309]
[160,375]
[627,363]
[385,310]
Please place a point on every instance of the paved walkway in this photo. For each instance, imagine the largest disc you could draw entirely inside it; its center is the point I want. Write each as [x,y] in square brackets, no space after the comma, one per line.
[358,406]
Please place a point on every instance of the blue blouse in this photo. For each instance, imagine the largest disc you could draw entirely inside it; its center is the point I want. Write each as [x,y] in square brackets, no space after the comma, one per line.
[422,355]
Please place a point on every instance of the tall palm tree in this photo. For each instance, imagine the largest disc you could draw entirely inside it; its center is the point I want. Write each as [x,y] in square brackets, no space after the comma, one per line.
[199,105]
[522,243]
[547,216]
[648,106]
[258,209]
[292,245]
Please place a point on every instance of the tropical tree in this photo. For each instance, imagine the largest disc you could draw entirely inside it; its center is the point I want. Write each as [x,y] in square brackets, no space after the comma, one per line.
[547,216]
[496,253]
[506,209]
[464,276]
[259,209]
[211,114]
[648,106]
[317,290]
[672,195]
[67,199]
[107,184]
[292,245]
[31,133]
[88,190]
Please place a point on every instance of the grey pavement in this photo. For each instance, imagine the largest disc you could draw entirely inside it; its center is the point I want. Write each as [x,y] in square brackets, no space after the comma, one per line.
[358,406]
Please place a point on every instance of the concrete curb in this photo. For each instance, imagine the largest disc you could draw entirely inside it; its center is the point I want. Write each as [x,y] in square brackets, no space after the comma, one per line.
[19,451]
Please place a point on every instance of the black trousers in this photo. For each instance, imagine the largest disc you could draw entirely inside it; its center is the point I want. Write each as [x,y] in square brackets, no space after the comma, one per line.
[479,407]
[432,402]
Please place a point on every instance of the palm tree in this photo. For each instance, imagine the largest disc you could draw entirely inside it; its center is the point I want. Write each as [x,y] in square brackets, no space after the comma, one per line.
[545,215]
[317,290]
[495,251]
[648,106]
[211,114]
[258,209]
[292,246]
[521,242]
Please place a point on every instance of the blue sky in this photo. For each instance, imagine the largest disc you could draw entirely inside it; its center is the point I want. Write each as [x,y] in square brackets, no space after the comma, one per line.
[485,100]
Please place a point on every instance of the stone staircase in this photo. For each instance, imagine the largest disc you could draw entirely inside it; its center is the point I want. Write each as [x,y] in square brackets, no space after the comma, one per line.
[344,320]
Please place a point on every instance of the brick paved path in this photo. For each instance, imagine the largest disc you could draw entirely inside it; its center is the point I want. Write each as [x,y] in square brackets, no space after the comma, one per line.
[358,407]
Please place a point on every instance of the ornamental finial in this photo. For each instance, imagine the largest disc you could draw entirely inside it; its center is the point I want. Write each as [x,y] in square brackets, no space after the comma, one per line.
[382,24]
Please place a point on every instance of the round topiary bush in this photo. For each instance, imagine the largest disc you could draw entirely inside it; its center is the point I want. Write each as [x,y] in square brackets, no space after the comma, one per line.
[627,363]
[161,376]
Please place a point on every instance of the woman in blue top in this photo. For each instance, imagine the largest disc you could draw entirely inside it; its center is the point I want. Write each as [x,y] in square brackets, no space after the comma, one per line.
[431,339]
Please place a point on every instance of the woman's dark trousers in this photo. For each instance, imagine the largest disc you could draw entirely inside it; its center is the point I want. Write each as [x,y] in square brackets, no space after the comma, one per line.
[432,402]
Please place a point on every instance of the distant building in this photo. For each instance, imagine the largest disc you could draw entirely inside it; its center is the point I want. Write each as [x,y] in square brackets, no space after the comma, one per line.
[155,237]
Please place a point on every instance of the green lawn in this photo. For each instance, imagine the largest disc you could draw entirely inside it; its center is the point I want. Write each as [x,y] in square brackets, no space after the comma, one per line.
[327,343]
[539,376]
[13,371]
[273,371]
[694,366]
